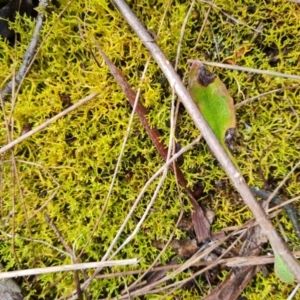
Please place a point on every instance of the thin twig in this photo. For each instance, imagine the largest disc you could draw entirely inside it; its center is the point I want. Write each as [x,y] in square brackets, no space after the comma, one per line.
[250,70]
[47,123]
[237,105]
[202,27]
[290,210]
[29,54]
[38,241]
[211,4]
[182,33]
[16,179]
[70,251]
[291,296]
[239,261]
[91,265]
[136,229]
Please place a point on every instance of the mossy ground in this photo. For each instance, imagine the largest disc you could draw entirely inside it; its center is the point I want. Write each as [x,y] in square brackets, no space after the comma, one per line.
[80,151]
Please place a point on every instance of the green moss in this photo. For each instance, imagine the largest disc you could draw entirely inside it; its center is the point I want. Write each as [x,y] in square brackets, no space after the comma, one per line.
[80,151]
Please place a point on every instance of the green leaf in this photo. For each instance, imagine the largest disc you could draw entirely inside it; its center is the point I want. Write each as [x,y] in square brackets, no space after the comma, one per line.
[282,270]
[214,102]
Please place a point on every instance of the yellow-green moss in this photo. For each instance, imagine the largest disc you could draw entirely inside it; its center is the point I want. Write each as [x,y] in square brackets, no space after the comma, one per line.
[83,166]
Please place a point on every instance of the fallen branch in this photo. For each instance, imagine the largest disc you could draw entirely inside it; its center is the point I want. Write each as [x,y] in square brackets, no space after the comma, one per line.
[234,174]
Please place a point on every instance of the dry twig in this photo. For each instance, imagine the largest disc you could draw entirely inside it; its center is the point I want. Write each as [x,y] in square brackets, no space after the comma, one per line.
[29,54]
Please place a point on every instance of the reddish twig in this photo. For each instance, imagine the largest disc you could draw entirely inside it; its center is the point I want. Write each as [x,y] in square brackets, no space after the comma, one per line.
[201,224]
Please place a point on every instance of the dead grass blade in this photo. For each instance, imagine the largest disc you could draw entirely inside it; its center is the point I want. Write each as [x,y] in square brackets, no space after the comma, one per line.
[201,224]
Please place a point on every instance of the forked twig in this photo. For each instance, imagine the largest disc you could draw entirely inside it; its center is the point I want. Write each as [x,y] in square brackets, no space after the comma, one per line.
[69,250]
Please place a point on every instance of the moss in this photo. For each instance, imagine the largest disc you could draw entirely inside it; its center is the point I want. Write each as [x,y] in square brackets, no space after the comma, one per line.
[80,151]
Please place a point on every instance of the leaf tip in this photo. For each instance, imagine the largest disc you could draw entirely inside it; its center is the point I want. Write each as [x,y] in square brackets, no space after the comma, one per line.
[204,76]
